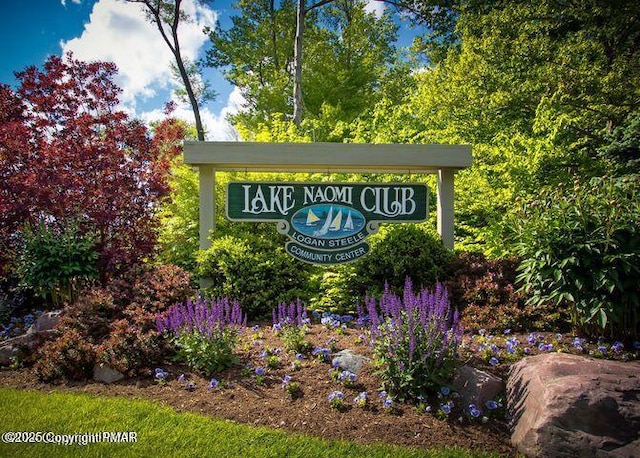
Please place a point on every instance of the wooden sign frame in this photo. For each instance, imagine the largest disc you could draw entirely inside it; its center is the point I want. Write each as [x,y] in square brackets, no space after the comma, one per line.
[443,160]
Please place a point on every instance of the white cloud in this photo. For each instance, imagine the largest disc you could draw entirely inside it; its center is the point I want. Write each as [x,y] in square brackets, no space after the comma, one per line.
[376,7]
[64,2]
[217,128]
[119,32]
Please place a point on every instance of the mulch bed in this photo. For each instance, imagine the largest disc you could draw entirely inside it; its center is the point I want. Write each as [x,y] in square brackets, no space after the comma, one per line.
[242,400]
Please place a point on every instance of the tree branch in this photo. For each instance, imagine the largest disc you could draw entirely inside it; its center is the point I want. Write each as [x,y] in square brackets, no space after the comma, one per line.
[317,5]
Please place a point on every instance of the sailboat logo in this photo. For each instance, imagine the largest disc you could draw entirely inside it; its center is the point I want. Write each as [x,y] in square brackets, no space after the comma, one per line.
[328,221]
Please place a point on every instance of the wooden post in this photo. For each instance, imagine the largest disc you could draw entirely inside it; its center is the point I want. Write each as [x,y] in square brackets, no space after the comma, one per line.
[207,178]
[325,157]
[445,206]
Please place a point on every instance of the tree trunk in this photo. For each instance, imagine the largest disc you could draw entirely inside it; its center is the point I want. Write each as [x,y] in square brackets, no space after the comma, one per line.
[187,84]
[297,63]
[154,9]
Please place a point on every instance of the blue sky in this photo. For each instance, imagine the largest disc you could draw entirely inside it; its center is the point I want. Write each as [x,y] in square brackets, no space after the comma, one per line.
[112,30]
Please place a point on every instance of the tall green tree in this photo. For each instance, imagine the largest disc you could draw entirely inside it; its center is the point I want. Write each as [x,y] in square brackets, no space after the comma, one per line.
[256,55]
[350,54]
[539,89]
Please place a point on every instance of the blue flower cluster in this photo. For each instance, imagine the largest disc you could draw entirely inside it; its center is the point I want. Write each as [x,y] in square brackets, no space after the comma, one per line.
[18,326]
[333,320]
[361,400]
[321,353]
[474,411]
[336,399]
[387,400]
[161,375]
[347,378]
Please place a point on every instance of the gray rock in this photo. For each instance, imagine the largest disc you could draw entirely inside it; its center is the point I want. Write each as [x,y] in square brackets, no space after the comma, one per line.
[17,346]
[22,346]
[46,322]
[105,374]
[476,386]
[7,352]
[565,405]
[350,361]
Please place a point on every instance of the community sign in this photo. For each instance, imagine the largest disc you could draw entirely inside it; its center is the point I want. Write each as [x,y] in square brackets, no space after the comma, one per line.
[327,223]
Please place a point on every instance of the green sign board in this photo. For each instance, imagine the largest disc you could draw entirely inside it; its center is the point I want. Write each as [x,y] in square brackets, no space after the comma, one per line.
[327,222]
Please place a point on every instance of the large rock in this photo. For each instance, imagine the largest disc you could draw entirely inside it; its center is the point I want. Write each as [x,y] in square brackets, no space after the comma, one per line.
[8,352]
[476,386]
[565,405]
[21,346]
[350,361]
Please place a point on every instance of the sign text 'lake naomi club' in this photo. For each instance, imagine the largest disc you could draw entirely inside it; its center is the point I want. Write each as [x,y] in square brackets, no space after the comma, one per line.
[327,223]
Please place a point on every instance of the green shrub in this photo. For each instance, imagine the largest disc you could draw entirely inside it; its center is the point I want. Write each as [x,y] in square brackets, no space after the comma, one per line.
[333,290]
[134,344]
[152,288]
[581,250]
[91,315]
[57,260]
[256,272]
[178,236]
[401,251]
[131,348]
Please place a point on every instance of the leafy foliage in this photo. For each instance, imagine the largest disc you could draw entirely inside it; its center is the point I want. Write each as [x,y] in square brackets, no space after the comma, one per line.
[535,88]
[253,270]
[178,236]
[57,260]
[581,248]
[401,251]
[130,348]
[334,290]
[350,52]
[205,332]
[118,323]
[415,340]
[487,295]
[68,357]
[66,152]
[623,147]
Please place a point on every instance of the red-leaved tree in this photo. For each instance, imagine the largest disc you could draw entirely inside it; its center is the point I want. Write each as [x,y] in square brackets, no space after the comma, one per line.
[68,151]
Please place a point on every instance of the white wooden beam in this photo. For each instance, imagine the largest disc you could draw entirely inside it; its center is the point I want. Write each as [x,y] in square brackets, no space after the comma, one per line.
[312,157]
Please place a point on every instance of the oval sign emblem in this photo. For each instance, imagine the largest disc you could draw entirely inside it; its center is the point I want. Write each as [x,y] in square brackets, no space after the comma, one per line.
[328,221]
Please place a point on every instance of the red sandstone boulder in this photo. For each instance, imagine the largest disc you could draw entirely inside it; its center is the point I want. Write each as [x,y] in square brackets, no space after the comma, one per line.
[476,386]
[564,405]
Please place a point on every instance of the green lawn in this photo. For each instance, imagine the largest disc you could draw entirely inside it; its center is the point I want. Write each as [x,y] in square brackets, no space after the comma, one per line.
[161,432]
